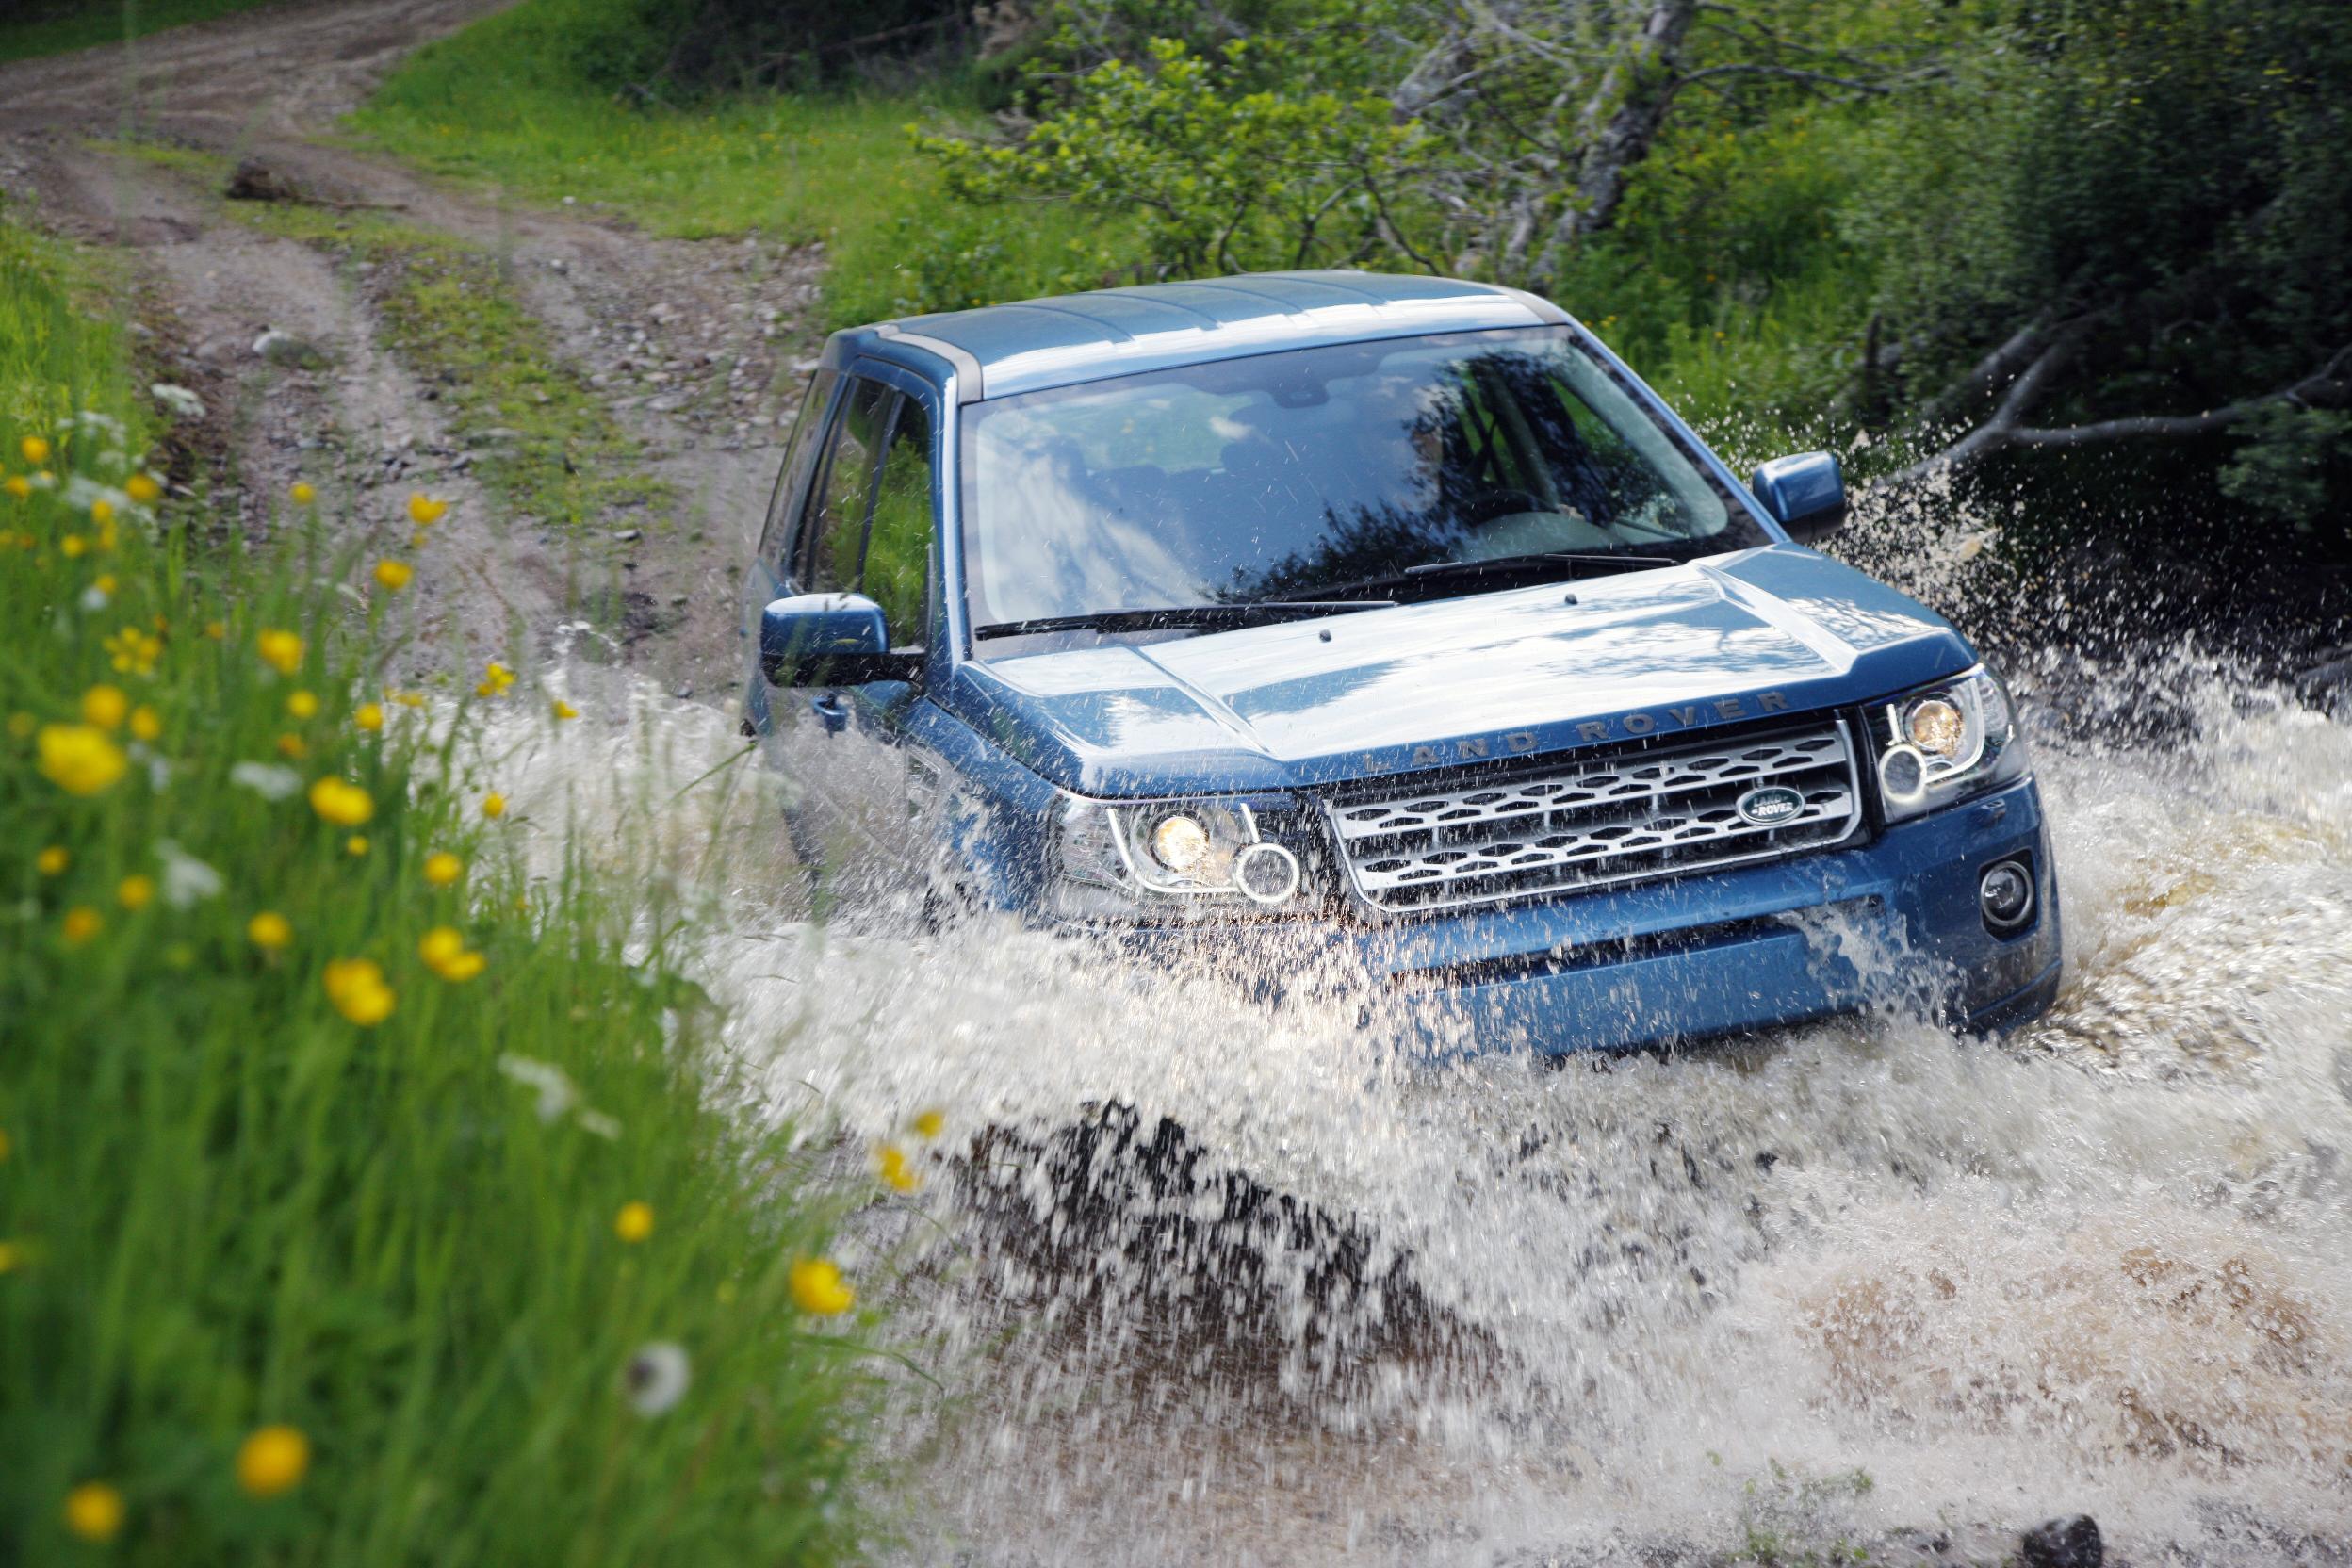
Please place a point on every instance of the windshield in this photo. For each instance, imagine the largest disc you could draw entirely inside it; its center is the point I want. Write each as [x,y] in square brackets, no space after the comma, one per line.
[1324,473]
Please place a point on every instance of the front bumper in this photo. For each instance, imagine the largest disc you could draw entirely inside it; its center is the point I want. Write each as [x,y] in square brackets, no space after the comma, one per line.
[1891,923]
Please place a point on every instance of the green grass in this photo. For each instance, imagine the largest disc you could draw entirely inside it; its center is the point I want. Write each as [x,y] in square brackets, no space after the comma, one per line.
[58,26]
[506,103]
[230,1201]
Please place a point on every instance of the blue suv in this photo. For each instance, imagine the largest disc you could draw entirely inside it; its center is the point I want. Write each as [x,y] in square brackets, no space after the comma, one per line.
[1390,620]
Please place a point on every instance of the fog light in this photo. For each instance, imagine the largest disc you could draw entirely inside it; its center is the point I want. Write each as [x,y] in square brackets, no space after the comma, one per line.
[1267,872]
[1180,844]
[1903,773]
[2005,894]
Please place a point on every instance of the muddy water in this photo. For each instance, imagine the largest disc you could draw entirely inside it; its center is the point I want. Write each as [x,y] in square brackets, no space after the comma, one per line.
[1816,1289]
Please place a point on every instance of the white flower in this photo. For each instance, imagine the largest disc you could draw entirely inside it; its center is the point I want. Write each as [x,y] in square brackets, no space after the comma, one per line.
[599,1124]
[178,401]
[656,1377]
[93,598]
[557,1093]
[186,880]
[266,779]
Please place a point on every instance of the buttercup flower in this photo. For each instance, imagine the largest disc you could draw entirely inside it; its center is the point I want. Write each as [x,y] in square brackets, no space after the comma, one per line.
[94,1511]
[368,716]
[53,860]
[292,745]
[36,450]
[216,629]
[133,651]
[270,931]
[442,867]
[424,511]
[81,923]
[302,705]
[106,707]
[496,678]
[356,987]
[102,511]
[135,891]
[634,1223]
[564,710]
[146,723]
[656,1377]
[281,650]
[493,804]
[74,547]
[143,489]
[80,759]
[344,805]
[272,1460]
[819,1289]
[302,493]
[393,575]
[18,487]
[409,699]
[443,949]
[929,1123]
[356,845]
[896,1173]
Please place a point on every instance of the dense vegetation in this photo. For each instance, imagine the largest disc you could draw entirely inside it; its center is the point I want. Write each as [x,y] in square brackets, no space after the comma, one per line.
[362,1186]
[36,28]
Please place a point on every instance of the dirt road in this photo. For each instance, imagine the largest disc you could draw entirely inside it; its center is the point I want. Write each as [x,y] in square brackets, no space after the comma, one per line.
[689,344]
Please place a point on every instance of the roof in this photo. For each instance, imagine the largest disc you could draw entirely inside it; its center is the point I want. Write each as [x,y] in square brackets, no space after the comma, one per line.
[1000,350]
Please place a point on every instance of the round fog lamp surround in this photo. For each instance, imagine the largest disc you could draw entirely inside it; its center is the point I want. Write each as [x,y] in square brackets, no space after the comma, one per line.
[1267,873]
[2005,894]
[1180,844]
[1936,726]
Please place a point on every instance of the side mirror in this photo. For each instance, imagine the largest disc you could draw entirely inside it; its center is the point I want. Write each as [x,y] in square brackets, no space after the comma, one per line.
[1805,494]
[829,640]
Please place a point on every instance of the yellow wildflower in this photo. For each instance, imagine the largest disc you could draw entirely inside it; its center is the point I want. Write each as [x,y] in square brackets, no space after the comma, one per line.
[409,699]
[272,1460]
[291,746]
[393,575]
[53,860]
[634,1223]
[424,511]
[80,759]
[564,710]
[36,450]
[74,547]
[270,931]
[356,845]
[143,489]
[368,716]
[106,707]
[442,867]
[930,1123]
[105,583]
[135,891]
[146,723]
[496,678]
[302,493]
[81,923]
[133,651]
[18,487]
[94,1510]
[896,1173]
[493,804]
[302,704]
[281,650]
[102,511]
[443,949]
[819,1289]
[217,630]
[356,987]
[344,805]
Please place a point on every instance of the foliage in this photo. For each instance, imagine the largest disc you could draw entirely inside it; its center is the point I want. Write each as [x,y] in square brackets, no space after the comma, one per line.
[1218,181]
[659,49]
[320,1116]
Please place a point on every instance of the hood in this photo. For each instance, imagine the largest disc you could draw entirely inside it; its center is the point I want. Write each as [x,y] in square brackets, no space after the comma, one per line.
[1520,673]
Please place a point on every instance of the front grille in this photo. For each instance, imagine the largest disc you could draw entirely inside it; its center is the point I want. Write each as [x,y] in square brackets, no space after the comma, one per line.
[1600,822]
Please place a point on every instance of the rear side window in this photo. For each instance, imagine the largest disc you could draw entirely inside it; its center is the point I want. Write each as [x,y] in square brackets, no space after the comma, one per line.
[800,457]
[898,545]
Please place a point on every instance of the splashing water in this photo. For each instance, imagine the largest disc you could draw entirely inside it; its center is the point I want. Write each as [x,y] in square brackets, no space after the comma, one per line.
[1215,1279]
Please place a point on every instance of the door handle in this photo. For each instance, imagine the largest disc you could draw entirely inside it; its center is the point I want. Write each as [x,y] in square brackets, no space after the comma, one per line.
[831,711]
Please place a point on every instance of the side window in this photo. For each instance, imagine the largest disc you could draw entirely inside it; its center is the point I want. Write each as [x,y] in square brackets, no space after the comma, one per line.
[800,455]
[898,548]
[833,539]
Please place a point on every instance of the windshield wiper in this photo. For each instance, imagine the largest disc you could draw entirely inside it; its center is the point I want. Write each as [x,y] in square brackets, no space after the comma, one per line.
[1194,616]
[1504,566]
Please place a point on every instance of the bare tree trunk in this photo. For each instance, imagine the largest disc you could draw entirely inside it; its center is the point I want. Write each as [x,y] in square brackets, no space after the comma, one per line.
[1622,120]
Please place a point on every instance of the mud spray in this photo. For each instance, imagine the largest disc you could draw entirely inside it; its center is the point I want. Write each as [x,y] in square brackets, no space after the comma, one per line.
[1210,1279]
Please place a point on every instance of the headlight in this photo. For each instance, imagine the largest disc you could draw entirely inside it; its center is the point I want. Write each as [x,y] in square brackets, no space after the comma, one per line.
[1116,860]
[1945,742]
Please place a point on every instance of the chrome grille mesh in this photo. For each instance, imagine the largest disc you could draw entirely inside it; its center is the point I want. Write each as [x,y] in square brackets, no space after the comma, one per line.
[1669,812]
